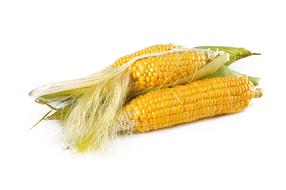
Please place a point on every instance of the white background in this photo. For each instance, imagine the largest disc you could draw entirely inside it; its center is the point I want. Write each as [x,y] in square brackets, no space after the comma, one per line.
[45,41]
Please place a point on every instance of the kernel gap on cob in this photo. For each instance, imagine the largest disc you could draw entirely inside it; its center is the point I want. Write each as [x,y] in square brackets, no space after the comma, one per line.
[94,109]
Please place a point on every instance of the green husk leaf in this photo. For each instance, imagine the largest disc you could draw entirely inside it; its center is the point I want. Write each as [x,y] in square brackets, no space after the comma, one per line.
[226,71]
[234,52]
[212,67]
[59,114]
[49,99]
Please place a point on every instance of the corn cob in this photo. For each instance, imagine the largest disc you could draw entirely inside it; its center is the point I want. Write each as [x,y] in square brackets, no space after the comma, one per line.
[186,103]
[166,68]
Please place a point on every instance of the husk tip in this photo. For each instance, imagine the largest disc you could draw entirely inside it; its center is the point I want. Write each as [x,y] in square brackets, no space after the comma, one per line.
[255,53]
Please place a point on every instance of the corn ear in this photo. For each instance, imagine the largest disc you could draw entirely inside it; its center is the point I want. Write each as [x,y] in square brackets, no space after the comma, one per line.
[186,103]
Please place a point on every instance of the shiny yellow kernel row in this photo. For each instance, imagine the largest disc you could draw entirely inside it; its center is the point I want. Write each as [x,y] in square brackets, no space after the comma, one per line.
[148,50]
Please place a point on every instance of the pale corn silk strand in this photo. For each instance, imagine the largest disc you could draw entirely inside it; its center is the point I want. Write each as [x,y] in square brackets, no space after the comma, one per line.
[91,120]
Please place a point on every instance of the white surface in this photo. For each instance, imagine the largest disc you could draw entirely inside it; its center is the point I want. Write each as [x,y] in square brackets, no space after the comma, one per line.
[45,41]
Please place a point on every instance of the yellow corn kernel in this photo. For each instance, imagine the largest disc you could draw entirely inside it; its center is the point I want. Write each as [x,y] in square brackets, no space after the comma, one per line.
[186,103]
